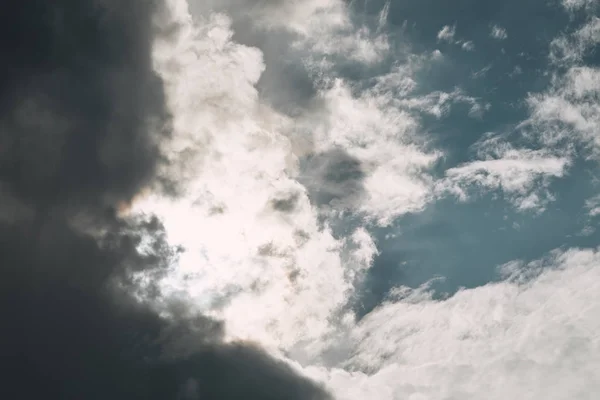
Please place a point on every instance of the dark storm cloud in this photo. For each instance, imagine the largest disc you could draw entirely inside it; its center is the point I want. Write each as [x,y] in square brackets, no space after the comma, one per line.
[333,178]
[81,117]
[81,109]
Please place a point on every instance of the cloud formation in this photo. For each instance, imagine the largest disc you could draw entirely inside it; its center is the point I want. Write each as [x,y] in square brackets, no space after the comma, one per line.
[447,33]
[521,174]
[534,333]
[498,33]
[170,230]
[84,120]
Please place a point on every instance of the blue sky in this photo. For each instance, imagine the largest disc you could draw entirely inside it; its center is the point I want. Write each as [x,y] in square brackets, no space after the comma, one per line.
[464,243]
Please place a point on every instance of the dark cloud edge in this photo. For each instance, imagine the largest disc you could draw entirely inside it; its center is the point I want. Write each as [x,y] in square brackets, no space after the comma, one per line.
[82,115]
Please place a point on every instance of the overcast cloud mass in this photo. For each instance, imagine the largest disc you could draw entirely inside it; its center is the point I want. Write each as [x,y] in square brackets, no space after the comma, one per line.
[312,200]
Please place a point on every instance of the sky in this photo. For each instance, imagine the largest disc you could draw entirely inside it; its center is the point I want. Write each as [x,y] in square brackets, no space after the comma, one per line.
[312,200]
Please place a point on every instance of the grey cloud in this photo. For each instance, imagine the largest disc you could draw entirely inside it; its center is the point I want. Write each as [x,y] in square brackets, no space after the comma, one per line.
[333,178]
[286,84]
[286,203]
[82,114]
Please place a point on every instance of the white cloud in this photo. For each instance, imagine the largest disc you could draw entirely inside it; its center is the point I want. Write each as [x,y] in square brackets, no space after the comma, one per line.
[568,112]
[523,175]
[570,48]
[324,28]
[380,126]
[562,117]
[468,46]
[242,253]
[573,5]
[593,206]
[379,133]
[534,334]
[447,33]
[498,33]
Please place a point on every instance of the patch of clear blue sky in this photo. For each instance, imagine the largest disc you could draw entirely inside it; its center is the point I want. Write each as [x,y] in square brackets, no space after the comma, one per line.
[465,242]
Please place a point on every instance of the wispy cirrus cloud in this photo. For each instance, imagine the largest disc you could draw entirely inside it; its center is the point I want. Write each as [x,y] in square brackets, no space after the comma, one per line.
[523,175]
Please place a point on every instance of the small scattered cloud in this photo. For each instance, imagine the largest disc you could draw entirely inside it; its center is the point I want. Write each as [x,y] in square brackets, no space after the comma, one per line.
[482,72]
[468,46]
[498,33]
[447,33]
[593,206]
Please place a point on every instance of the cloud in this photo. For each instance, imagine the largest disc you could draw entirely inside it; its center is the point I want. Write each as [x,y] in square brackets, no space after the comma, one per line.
[561,126]
[593,206]
[570,48]
[269,238]
[498,33]
[79,126]
[168,232]
[256,242]
[447,33]
[262,192]
[334,177]
[318,28]
[84,122]
[534,333]
[573,5]
[468,46]
[566,115]
[375,127]
[523,175]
